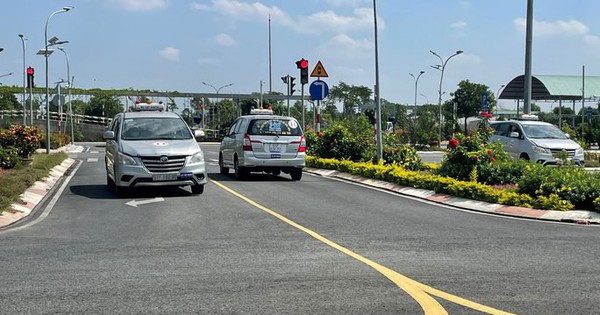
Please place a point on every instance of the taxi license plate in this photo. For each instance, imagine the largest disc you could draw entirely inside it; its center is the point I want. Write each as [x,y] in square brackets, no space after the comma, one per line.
[164,177]
[274,147]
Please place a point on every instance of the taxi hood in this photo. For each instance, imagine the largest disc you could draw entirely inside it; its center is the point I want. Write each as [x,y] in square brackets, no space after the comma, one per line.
[160,147]
[556,144]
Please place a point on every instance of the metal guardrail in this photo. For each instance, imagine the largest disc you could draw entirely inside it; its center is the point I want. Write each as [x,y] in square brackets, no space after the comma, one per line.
[77,118]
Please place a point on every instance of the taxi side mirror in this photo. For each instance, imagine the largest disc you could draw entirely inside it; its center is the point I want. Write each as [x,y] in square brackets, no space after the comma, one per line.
[109,135]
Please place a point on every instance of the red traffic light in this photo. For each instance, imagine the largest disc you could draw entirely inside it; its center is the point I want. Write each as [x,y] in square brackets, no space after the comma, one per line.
[302,64]
[30,70]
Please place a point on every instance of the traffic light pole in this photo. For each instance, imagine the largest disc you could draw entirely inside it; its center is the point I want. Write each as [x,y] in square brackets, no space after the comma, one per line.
[302,100]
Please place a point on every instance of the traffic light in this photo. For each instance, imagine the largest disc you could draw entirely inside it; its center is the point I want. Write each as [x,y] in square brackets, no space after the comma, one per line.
[30,73]
[291,85]
[303,66]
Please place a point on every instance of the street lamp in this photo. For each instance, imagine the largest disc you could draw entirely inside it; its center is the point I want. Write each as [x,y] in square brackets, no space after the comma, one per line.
[70,84]
[416,83]
[46,53]
[6,75]
[498,97]
[217,92]
[23,39]
[441,67]
[425,97]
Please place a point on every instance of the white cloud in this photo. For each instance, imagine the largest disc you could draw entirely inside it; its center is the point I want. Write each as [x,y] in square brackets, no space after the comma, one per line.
[362,18]
[459,24]
[170,53]
[140,5]
[556,28]
[345,3]
[345,47]
[224,40]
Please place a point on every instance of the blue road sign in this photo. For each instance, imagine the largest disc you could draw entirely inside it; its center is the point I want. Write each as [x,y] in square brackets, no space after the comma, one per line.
[318,90]
[590,111]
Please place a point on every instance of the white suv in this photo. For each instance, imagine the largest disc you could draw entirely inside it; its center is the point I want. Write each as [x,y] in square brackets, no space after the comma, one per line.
[537,141]
[263,142]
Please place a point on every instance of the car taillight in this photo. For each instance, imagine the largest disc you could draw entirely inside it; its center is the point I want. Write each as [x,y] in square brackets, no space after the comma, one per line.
[247,146]
[302,146]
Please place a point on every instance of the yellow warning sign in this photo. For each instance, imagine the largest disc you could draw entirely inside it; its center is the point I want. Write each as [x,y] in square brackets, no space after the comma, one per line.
[319,71]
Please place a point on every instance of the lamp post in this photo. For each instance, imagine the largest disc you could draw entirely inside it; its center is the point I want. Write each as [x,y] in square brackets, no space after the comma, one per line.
[441,67]
[416,83]
[23,39]
[217,92]
[6,75]
[70,84]
[498,97]
[46,54]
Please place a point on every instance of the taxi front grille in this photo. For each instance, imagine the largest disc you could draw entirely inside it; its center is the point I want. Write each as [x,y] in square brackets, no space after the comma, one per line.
[163,164]
[555,152]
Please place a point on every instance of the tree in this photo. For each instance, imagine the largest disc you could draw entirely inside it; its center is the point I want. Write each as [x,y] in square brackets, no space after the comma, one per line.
[350,96]
[468,99]
[8,101]
[104,105]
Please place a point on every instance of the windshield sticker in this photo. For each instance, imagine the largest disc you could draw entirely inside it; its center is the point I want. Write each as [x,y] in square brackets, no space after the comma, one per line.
[275,126]
[293,124]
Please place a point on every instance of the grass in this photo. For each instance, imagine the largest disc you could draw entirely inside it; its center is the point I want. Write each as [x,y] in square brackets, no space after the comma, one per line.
[13,182]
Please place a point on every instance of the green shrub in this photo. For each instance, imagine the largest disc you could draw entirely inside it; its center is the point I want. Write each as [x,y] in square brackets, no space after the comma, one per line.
[9,157]
[501,173]
[572,184]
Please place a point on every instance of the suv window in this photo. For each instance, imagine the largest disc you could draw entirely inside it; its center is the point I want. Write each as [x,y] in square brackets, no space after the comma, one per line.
[150,128]
[274,126]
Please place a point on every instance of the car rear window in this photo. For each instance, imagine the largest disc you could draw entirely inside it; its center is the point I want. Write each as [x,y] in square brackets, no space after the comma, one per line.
[277,126]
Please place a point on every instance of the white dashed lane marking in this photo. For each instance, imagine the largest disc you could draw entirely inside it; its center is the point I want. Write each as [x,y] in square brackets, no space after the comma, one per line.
[92,159]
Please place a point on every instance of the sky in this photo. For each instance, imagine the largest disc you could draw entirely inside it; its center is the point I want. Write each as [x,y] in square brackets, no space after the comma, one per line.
[176,45]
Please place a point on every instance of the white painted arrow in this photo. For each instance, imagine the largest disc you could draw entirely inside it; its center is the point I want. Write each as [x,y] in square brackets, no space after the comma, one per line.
[135,203]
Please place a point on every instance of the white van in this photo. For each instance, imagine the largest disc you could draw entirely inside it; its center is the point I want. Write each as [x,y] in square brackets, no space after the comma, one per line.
[151,147]
[536,141]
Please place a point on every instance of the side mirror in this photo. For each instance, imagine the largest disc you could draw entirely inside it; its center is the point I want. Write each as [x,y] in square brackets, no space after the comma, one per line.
[109,135]
[568,135]
[514,134]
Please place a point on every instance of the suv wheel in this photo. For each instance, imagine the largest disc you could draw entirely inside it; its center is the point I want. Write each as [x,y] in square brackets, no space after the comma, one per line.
[197,189]
[222,169]
[240,172]
[296,174]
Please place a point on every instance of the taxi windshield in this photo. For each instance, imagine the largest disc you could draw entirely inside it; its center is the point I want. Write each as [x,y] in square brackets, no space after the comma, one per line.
[153,128]
[275,127]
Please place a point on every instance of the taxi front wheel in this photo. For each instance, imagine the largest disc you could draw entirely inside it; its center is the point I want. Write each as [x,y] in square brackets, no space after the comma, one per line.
[197,189]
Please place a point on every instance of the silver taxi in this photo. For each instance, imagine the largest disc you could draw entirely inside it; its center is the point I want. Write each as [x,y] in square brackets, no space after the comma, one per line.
[263,142]
[151,147]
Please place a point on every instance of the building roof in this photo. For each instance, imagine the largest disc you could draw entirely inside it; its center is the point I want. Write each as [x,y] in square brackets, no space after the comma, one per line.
[552,87]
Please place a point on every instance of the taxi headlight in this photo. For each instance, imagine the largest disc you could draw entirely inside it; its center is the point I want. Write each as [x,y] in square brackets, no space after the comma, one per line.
[196,158]
[126,159]
[579,151]
[541,150]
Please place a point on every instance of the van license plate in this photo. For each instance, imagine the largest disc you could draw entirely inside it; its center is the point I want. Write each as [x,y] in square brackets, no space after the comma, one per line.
[274,147]
[164,177]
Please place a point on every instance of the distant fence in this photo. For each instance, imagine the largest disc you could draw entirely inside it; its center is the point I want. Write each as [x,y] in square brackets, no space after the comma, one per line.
[77,118]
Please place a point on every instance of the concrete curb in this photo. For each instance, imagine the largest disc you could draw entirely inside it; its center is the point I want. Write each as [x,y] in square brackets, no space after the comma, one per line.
[573,216]
[36,193]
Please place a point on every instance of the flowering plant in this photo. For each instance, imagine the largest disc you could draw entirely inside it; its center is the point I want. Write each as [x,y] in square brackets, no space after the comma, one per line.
[26,139]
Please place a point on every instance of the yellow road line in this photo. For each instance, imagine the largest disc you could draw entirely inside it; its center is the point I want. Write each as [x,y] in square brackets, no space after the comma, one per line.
[418,291]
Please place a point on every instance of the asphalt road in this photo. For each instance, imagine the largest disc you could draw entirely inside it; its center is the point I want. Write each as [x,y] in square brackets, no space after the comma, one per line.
[268,245]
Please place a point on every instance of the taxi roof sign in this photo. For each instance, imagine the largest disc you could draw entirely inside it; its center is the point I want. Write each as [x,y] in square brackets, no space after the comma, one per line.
[255,111]
[145,107]
[319,71]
